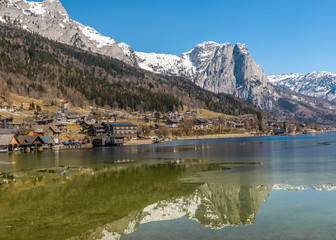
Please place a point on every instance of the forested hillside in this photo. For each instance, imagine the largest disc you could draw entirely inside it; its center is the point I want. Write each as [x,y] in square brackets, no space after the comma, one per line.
[33,66]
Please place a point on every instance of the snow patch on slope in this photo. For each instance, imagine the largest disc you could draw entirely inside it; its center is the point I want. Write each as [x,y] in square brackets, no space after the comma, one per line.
[93,35]
[314,84]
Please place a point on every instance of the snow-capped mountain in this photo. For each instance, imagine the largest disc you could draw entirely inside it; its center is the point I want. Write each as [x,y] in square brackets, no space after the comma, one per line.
[220,68]
[50,19]
[315,84]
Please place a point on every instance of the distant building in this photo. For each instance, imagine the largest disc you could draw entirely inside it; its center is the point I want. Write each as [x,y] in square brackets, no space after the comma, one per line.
[44,121]
[26,141]
[172,123]
[62,127]
[8,142]
[279,131]
[64,114]
[201,123]
[96,129]
[125,130]
[48,142]
[5,122]
[49,130]
[5,131]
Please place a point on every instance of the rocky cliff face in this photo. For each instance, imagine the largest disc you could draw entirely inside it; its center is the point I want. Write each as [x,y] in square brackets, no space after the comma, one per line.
[51,20]
[227,68]
[220,68]
[315,84]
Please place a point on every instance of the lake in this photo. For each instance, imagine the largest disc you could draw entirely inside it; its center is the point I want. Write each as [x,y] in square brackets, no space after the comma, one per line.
[278,187]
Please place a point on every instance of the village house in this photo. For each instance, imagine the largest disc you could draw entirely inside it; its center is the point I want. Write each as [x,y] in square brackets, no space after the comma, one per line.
[201,124]
[172,123]
[4,107]
[149,119]
[107,140]
[30,142]
[44,121]
[64,114]
[124,130]
[5,122]
[16,125]
[279,131]
[48,142]
[62,127]
[96,129]
[49,130]
[8,142]
[7,131]
[239,125]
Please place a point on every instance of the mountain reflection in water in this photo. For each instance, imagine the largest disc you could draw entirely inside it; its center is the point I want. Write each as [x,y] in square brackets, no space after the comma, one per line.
[255,188]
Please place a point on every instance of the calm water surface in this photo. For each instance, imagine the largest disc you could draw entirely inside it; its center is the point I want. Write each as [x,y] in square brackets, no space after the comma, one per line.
[244,188]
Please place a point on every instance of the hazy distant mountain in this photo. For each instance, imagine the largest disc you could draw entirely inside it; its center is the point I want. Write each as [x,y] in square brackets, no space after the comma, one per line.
[315,84]
[50,19]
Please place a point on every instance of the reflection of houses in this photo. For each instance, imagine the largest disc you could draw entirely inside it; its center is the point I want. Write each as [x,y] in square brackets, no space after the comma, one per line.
[172,123]
[122,129]
[8,142]
[27,142]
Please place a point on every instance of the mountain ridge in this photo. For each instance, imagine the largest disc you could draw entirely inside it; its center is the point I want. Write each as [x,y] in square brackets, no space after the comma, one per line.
[50,19]
[316,84]
[31,65]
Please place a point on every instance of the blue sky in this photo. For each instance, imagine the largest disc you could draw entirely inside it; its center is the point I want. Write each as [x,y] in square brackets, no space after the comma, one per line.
[282,35]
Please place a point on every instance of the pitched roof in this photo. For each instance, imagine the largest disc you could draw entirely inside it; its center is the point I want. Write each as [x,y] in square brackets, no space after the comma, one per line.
[121,124]
[29,140]
[7,131]
[5,139]
[43,129]
[47,139]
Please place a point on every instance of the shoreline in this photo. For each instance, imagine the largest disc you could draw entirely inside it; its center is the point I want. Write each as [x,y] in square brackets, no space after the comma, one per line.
[216,136]
[203,137]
